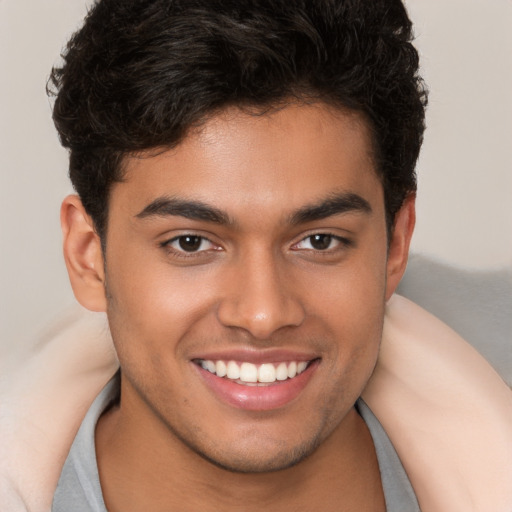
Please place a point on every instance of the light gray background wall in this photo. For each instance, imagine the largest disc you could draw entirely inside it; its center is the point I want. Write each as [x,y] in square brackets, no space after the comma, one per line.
[465,172]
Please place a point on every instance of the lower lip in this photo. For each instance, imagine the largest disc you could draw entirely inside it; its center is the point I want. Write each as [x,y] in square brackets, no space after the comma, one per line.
[257,397]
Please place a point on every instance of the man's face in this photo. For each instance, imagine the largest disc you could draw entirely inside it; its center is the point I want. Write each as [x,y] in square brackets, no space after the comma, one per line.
[258,245]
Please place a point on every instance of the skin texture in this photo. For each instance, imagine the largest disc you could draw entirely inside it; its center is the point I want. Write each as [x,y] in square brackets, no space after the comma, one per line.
[257,284]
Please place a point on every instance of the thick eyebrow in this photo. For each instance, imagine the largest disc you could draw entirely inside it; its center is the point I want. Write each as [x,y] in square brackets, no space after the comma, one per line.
[333,205]
[195,210]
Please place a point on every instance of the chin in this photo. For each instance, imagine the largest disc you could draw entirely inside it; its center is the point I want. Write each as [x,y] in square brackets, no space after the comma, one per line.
[262,460]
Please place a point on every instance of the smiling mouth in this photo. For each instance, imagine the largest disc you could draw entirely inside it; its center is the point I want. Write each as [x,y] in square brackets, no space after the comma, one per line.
[250,374]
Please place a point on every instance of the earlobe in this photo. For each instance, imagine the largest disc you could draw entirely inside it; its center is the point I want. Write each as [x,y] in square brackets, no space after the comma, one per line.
[83,255]
[399,244]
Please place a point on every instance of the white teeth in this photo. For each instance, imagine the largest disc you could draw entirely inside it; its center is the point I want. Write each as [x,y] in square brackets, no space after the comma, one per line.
[248,372]
[282,372]
[251,373]
[220,368]
[292,370]
[233,371]
[267,373]
[209,365]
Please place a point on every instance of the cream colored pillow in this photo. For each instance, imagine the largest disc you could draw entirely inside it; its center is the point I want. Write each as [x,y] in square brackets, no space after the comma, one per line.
[445,409]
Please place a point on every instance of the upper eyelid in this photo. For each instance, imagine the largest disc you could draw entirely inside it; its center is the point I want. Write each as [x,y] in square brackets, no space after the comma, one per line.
[167,243]
[338,238]
[345,240]
[341,238]
[166,239]
[178,253]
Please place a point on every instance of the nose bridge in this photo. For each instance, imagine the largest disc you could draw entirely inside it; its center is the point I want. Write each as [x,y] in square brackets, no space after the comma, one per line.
[256,297]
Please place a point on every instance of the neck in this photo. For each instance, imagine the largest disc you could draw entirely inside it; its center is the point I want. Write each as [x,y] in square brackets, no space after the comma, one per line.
[144,466]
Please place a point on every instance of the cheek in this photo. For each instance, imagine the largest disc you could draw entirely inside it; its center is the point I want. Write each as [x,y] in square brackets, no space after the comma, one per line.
[351,297]
[352,305]
[152,307]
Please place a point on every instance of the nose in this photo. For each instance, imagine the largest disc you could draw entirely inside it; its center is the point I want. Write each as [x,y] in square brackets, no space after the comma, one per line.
[260,298]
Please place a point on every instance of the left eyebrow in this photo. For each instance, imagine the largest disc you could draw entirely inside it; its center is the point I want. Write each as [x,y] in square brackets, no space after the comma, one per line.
[195,210]
[333,205]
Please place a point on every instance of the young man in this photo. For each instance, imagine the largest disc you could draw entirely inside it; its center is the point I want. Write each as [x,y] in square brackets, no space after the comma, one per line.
[245,179]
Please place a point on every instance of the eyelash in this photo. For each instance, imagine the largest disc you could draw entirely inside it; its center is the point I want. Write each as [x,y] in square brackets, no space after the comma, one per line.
[344,243]
[167,245]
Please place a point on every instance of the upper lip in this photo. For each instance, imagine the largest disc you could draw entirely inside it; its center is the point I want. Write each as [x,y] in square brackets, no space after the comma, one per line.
[256,356]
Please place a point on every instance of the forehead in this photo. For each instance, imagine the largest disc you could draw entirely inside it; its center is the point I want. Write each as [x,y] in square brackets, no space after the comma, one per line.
[275,160]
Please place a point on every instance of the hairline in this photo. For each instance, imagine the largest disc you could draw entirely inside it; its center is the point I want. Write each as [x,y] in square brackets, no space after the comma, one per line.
[255,109]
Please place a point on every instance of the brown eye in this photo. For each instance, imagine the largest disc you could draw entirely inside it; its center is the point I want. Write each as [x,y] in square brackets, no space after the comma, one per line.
[190,243]
[323,242]
[320,242]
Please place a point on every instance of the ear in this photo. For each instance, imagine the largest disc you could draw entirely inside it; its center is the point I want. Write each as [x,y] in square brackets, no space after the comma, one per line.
[399,244]
[83,255]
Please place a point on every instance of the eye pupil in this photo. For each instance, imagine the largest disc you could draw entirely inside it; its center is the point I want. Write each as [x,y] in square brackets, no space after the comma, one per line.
[190,243]
[321,242]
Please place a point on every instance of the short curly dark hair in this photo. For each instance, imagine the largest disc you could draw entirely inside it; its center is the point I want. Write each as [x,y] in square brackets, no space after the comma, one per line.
[140,73]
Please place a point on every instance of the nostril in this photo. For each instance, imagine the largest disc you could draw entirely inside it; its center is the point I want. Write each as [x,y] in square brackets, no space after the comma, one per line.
[261,318]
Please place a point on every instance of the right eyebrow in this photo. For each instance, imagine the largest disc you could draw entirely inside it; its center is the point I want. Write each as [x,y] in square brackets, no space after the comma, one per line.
[335,204]
[195,210]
